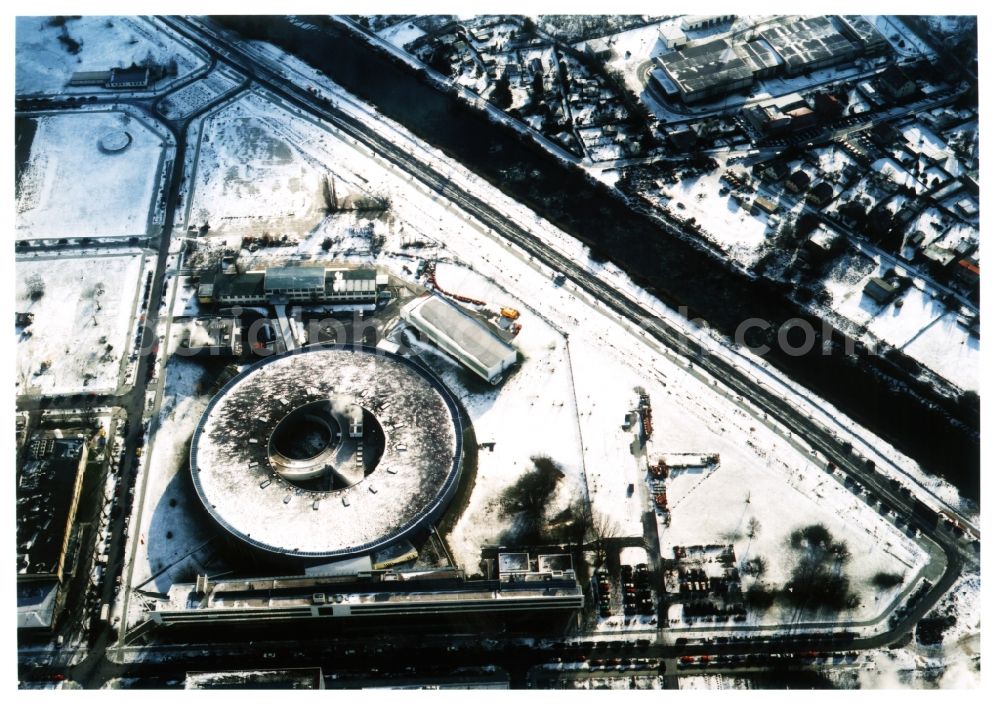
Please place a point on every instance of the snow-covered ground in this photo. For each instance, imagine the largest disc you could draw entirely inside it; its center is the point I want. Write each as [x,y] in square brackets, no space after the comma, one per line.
[73,187]
[740,234]
[533,413]
[713,682]
[402,33]
[260,167]
[921,326]
[947,348]
[173,528]
[81,325]
[44,65]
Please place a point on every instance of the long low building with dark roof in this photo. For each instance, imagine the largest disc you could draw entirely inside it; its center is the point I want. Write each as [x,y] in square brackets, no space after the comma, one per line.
[296,284]
[706,70]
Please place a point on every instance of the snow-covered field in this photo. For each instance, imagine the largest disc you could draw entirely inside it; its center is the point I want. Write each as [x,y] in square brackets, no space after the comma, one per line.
[921,327]
[261,167]
[72,187]
[947,348]
[81,323]
[402,33]
[44,65]
[739,234]
[533,413]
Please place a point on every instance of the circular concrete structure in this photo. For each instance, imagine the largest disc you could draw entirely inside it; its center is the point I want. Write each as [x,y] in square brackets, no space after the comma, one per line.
[115,141]
[328,452]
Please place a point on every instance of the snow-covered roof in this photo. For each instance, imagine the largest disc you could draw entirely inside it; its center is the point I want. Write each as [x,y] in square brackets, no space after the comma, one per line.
[412,481]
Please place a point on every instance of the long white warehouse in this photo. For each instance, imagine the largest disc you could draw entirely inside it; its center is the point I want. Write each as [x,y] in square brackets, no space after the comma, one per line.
[461,336]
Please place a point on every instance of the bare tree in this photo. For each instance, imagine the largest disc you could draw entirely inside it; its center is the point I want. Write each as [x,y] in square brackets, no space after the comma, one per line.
[753,527]
[36,287]
[330,194]
[602,528]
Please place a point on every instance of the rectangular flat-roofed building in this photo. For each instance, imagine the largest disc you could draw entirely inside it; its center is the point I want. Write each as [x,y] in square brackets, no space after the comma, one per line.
[240,288]
[89,78]
[805,45]
[296,284]
[706,70]
[460,335]
[306,678]
[700,22]
[299,282]
[212,336]
[130,78]
[863,33]
[353,284]
[762,60]
[48,491]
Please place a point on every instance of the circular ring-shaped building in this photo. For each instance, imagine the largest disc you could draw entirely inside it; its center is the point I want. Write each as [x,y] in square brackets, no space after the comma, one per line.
[328,452]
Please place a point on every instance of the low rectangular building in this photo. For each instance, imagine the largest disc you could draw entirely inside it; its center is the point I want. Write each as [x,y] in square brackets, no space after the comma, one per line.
[460,335]
[307,678]
[48,491]
[765,204]
[239,288]
[808,44]
[297,284]
[706,70]
[129,78]
[880,291]
[864,34]
[89,78]
[700,22]
[378,597]
[210,336]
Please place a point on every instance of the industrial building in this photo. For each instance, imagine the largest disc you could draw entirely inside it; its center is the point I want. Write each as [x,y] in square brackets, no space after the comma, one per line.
[134,77]
[460,335]
[297,284]
[862,32]
[327,453]
[758,55]
[48,493]
[700,22]
[808,44]
[209,336]
[716,67]
[427,598]
[705,70]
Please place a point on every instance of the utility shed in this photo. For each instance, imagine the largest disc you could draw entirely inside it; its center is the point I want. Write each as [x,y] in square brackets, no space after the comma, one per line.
[467,340]
[881,291]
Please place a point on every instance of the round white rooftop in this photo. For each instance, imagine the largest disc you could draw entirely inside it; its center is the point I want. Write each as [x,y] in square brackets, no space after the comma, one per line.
[233,463]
